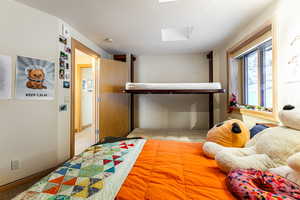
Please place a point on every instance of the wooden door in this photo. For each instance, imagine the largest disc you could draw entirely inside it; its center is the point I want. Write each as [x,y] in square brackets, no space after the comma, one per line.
[114,104]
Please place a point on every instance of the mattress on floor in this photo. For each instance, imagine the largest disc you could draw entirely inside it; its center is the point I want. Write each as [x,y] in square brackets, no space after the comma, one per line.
[174,170]
[173,86]
[163,170]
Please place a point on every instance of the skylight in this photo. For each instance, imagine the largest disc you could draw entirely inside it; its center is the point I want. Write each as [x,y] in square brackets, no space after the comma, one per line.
[165,1]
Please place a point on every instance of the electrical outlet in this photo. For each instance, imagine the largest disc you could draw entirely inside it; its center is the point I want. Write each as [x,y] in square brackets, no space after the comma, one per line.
[15,164]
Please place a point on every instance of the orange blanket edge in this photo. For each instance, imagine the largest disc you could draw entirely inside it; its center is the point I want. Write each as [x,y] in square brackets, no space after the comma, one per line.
[171,170]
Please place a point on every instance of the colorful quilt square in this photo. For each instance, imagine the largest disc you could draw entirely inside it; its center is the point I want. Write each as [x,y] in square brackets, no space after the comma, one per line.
[90,170]
[81,177]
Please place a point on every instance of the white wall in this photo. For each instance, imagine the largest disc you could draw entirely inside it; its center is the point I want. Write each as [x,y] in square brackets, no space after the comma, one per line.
[171,111]
[288,17]
[32,131]
[285,15]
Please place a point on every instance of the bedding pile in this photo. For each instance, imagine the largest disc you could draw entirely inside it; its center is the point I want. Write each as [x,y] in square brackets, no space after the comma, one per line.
[97,173]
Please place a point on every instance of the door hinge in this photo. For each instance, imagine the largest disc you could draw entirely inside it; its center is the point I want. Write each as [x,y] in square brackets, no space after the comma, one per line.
[98,99]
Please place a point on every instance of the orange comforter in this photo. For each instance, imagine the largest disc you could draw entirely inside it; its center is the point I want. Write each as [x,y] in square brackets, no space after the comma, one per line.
[169,170]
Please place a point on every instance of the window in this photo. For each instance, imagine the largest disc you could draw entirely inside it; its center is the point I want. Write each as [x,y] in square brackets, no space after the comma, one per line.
[252,82]
[257,71]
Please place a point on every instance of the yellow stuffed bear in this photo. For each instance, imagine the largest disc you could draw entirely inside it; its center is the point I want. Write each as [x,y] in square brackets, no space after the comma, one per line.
[231,133]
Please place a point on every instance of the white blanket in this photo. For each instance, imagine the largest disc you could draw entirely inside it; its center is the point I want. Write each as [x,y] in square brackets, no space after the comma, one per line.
[172,86]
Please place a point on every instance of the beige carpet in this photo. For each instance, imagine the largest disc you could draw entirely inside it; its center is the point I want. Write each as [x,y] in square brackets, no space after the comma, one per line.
[84,140]
[170,134]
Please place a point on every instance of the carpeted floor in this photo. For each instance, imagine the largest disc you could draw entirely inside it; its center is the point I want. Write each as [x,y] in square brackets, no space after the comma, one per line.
[7,195]
[83,140]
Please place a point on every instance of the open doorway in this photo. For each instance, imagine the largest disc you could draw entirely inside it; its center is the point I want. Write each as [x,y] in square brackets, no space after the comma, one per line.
[84,123]
[84,92]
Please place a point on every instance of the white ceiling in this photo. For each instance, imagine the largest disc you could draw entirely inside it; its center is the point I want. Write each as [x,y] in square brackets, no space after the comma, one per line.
[135,25]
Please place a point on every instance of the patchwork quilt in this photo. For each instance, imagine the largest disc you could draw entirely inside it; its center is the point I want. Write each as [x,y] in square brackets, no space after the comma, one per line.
[97,173]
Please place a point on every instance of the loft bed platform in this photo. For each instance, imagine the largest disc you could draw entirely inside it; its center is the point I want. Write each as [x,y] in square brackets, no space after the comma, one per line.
[174,91]
[173,88]
[211,88]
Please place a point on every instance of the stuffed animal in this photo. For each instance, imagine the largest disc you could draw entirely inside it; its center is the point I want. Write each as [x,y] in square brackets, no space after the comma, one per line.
[231,133]
[292,170]
[290,117]
[36,78]
[271,148]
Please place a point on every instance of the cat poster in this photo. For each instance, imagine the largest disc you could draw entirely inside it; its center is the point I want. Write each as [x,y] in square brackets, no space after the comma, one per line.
[5,77]
[35,79]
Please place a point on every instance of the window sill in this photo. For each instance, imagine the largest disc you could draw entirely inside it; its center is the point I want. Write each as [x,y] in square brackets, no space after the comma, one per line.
[270,116]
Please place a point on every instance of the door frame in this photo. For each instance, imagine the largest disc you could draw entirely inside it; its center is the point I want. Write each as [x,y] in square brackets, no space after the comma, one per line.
[75,44]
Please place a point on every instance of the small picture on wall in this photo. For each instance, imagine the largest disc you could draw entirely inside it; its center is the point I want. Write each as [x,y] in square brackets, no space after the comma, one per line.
[63,55]
[90,85]
[5,77]
[84,84]
[35,78]
[67,76]
[66,84]
[63,108]
[68,50]
[61,63]
[61,74]
[63,40]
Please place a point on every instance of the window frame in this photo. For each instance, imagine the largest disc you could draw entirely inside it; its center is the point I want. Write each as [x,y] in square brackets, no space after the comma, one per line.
[268,44]
[260,51]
